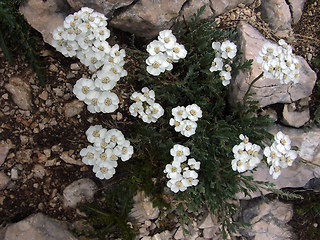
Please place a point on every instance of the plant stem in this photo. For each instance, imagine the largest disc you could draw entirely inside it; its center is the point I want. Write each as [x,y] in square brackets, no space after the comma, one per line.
[250,86]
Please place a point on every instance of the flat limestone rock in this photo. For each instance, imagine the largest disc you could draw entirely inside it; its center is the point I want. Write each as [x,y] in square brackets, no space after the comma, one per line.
[36,227]
[266,91]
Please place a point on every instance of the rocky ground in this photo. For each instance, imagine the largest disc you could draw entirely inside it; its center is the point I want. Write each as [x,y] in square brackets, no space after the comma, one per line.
[43,126]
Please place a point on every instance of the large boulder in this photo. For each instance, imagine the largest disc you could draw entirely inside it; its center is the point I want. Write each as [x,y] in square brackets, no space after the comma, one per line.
[267,91]
[304,168]
[144,18]
[277,14]
[45,16]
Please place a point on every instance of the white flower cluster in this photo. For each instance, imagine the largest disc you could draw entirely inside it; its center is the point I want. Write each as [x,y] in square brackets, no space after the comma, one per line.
[246,155]
[145,106]
[185,119]
[96,92]
[108,146]
[181,171]
[84,35]
[279,62]
[224,53]
[279,154]
[163,52]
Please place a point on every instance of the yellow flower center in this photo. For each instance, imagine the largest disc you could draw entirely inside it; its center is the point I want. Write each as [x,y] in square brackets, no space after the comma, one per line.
[166,39]
[113,70]
[178,183]
[124,150]
[117,53]
[101,32]
[113,139]
[85,90]
[179,153]
[96,133]
[155,65]
[103,156]
[176,123]
[114,157]
[108,102]
[157,49]
[104,170]
[111,59]
[193,112]
[106,80]
[94,60]
[101,48]
[176,50]
[94,101]
[90,155]
[239,163]
[283,141]
[188,127]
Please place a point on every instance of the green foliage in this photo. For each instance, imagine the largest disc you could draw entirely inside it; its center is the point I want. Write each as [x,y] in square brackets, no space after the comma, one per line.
[218,130]
[15,37]
[111,214]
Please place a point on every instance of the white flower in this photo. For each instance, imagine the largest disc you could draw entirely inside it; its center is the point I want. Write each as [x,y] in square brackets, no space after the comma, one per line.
[101,46]
[124,150]
[117,54]
[93,133]
[92,59]
[179,152]
[244,138]
[155,47]
[272,154]
[156,110]
[88,155]
[177,52]
[104,159]
[156,64]
[216,64]
[188,127]
[149,95]
[190,178]
[115,70]
[148,116]
[194,112]
[239,165]
[92,101]
[114,137]
[176,185]
[136,108]
[228,49]
[179,113]
[173,170]
[225,77]
[167,38]
[288,158]
[101,33]
[82,87]
[103,172]
[216,46]
[105,80]
[108,102]
[275,171]
[138,97]
[193,164]
[177,124]
[283,142]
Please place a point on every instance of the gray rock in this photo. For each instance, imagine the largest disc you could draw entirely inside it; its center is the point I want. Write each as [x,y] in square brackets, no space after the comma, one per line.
[268,220]
[4,149]
[143,209]
[302,169]
[107,7]
[208,221]
[267,91]
[73,108]
[14,174]
[296,7]
[4,180]
[39,171]
[20,92]
[221,6]
[37,227]
[293,117]
[66,158]
[277,14]
[50,14]
[79,191]
[146,18]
